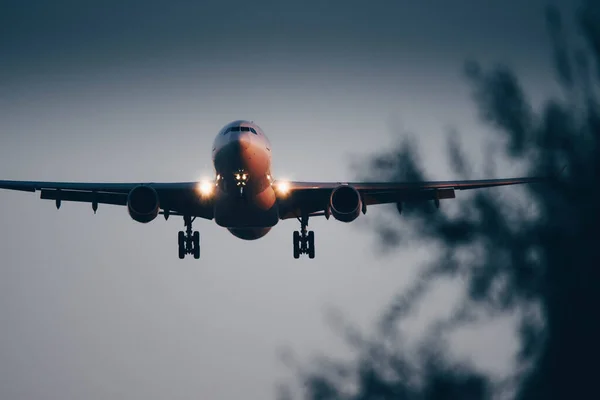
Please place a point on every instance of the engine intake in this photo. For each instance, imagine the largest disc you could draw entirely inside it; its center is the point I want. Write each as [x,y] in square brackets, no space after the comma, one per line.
[345,203]
[143,204]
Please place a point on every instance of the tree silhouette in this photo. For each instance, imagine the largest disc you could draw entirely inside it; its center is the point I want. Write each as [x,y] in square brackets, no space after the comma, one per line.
[535,252]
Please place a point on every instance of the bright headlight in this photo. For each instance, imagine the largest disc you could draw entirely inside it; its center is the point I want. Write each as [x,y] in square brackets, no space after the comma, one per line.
[206,188]
[282,187]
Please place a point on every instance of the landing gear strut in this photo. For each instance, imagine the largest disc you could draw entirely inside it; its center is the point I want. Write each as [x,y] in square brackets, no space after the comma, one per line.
[189,241]
[304,242]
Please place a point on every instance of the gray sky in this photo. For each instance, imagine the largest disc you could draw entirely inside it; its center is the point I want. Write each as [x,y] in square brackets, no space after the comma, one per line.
[100,306]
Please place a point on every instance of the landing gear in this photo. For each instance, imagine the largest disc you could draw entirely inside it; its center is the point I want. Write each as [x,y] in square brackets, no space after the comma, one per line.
[304,242]
[189,241]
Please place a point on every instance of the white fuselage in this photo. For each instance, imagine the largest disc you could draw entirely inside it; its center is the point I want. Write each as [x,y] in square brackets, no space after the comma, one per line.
[245,200]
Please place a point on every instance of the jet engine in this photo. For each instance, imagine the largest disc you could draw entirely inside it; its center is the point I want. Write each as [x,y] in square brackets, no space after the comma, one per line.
[345,203]
[143,204]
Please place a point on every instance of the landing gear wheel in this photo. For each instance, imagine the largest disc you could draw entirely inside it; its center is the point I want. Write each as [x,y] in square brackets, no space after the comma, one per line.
[196,245]
[296,244]
[304,242]
[189,241]
[311,244]
[181,242]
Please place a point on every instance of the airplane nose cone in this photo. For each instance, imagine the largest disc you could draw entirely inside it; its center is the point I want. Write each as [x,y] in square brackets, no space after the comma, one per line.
[244,140]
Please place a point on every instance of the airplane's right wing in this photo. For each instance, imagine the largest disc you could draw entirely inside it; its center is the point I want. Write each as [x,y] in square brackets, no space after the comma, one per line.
[177,198]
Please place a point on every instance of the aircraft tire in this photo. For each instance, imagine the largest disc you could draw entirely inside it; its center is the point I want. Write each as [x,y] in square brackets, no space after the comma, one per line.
[181,243]
[311,244]
[196,245]
[296,237]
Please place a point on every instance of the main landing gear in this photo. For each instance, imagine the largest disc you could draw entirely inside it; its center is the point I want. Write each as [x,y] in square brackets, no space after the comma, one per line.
[189,242]
[304,242]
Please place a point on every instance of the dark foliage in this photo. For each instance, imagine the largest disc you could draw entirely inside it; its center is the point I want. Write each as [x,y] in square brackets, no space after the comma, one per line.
[547,258]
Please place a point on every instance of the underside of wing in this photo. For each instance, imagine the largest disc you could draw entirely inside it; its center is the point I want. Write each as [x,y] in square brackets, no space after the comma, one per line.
[318,198]
[180,198]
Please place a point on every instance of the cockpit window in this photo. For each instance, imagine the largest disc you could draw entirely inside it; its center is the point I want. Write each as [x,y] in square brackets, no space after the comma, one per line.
[232,129]
[240,129]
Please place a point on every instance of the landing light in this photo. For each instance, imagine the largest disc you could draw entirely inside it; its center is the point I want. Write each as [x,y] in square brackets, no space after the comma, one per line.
[283,188]
[206,188]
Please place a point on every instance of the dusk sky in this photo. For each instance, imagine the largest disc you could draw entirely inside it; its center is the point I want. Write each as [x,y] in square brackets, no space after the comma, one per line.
[99,306]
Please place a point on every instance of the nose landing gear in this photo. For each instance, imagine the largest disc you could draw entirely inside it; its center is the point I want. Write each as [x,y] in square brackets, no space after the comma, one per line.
[304,241]
[189,241]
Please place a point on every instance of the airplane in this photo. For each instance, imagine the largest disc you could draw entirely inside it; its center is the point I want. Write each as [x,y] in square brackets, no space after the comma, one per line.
[245,198]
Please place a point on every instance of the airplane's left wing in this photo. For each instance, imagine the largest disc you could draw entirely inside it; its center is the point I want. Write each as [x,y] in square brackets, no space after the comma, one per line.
[313,198]
[180,198]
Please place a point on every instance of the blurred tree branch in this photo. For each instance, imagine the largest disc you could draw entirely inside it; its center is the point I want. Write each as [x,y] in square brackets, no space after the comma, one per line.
[508,258]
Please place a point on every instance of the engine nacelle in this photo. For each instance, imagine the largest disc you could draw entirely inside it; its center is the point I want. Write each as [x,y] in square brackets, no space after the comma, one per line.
[143,204]
[345,203]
